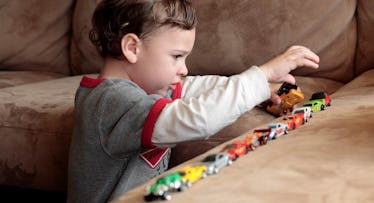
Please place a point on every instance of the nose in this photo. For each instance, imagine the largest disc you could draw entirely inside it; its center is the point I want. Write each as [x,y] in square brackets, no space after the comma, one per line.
[183,71]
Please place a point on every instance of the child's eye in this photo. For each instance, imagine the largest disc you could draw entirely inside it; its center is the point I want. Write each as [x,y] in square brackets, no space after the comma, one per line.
[177,56]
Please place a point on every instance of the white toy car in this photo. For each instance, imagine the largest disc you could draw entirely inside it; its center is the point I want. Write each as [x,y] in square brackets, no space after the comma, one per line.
[306,111]
[277,130]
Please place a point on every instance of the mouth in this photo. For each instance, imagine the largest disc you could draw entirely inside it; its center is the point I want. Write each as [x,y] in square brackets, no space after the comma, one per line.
[172,86]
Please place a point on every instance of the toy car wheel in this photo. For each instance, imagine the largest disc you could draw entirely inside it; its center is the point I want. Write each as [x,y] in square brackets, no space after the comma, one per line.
[286,131]
[229,162]
[181,188]
[323,107]
[166,196]
[188,183]
[149,198]
[204,175]
[216,170]
[252,147]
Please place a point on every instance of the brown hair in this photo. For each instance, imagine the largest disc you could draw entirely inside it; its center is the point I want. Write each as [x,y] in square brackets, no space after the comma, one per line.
[113,19]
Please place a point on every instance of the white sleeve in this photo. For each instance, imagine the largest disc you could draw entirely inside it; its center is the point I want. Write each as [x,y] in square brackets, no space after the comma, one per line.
[194,86]
[199,117]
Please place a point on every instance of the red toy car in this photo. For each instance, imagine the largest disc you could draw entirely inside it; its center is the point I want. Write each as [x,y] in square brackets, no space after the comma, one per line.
[262,135]
[235,149]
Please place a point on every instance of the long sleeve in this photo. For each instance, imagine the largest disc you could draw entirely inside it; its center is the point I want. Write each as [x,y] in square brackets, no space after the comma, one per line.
[201,116]
[194,86]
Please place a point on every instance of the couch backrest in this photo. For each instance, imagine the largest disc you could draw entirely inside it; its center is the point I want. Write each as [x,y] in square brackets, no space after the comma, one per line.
[35,35]
[365,40]
[233,35]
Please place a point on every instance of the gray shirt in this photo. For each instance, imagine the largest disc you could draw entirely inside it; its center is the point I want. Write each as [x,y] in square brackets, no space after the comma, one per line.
[104,159]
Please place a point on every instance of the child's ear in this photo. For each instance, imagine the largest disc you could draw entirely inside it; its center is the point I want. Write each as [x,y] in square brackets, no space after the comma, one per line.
[130,47]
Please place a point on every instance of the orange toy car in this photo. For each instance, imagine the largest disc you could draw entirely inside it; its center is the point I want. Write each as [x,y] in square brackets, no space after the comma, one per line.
[289,97]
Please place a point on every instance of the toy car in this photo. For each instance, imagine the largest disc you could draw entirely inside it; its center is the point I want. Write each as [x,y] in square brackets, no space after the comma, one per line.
[277,130]
[216,162]
[262,135]
[163,186]
[306,111]
[285,88]
[252,142]
[289,97]
[293,121]
[322,95]
[236,149]
[316,105]
[191,174]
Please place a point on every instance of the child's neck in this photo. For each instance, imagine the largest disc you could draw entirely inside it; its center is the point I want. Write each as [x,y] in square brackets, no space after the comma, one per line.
[114,68]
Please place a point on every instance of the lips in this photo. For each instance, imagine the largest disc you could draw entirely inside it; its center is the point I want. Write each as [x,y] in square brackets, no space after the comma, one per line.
[173,86]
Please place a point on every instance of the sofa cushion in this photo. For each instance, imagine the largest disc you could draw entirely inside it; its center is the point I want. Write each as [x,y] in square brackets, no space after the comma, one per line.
[35,35]
[365,40]
[36,123]
[232,36]
[14,78]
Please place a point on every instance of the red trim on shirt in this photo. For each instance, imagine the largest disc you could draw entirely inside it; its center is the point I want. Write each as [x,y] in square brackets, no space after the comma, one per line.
[177,93]
[91,82]
[151,121]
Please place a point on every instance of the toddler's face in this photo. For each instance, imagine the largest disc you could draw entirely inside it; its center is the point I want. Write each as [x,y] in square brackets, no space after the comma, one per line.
[162,59]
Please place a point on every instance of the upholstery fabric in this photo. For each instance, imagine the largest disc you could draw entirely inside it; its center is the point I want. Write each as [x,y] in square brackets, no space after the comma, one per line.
[321,161]
[15,78]
[365,30]
[36,123]
[84,57]
[233,36]
[35,39]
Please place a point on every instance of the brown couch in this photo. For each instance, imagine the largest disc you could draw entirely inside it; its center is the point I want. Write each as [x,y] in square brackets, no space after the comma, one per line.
[45,50]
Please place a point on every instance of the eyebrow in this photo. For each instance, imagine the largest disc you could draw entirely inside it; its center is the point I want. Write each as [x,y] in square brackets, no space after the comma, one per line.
[182,51]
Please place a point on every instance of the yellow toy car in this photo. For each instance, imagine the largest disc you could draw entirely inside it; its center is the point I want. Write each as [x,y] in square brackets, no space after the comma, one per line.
[191,174]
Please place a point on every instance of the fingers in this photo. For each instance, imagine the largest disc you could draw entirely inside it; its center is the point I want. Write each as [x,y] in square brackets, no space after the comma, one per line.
[278,69]
[275,99]
[303,56]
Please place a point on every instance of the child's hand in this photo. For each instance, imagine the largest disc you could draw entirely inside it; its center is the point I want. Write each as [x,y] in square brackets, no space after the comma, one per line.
[277,70]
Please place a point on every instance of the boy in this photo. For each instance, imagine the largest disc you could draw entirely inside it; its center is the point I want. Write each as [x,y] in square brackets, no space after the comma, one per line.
[128,117]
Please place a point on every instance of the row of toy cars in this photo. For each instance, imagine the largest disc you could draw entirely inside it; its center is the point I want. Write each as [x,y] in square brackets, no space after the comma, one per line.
[185,177]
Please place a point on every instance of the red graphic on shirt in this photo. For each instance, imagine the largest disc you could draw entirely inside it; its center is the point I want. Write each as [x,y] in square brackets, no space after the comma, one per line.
[153,156]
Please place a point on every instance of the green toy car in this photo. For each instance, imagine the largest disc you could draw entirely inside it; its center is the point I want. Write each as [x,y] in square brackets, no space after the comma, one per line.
[316,105]
[163,187]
